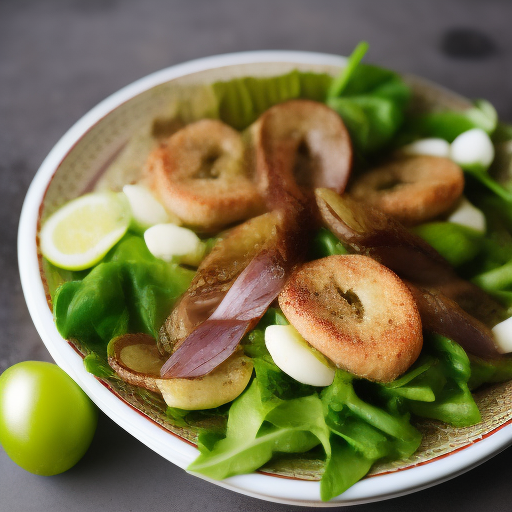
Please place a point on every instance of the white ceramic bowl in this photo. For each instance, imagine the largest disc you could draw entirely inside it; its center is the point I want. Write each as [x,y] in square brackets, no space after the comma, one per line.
[68,170]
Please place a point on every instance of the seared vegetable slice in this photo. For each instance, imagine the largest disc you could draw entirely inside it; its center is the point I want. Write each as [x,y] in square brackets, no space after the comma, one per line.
[136,360]
[303,144]
[443,316]
[219,387]
[215,276]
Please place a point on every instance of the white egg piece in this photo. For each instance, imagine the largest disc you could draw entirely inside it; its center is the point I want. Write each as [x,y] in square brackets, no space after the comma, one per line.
[296,358]
[146,209]
[473,149]
[174,243]
[503,336]
[431,146]
[468,215]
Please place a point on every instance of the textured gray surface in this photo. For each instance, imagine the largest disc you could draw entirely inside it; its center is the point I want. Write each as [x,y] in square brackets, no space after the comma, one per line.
[59,58]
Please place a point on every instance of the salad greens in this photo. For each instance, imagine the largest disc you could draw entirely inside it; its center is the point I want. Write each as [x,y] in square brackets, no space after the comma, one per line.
[241,101]
[352,423]
[277,414]
[448,124]
[371,102]
[129,291]
[456,243]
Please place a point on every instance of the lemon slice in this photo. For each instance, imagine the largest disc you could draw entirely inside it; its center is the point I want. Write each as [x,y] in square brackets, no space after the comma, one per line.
[79,234]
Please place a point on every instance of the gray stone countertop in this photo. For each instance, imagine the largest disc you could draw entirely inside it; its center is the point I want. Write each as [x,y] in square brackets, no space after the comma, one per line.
[59,58]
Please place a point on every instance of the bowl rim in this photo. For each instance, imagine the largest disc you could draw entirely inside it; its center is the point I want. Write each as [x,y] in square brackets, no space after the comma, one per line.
[176,450]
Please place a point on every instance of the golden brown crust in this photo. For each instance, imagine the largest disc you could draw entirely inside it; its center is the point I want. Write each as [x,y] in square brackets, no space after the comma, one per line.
[357,312]
[199,173]
[412,189]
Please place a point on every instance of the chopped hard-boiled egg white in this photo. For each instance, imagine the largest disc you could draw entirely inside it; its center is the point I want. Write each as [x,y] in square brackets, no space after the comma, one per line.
[296,358]
[432,146]
[146,209]
[473,150]
[468,215]
[174,243]
[503,336]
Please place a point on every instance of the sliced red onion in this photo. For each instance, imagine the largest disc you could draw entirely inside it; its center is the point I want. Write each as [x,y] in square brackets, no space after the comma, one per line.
[217,338]
[255,289]
[197,355]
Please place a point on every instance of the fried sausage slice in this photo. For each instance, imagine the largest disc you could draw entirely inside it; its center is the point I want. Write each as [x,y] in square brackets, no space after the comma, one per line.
[200,174]
[357,313]
[412,189]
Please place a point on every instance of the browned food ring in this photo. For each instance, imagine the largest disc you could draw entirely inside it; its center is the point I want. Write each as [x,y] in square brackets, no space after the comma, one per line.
[200,174]
[412,189]
[357,313]
[300,145]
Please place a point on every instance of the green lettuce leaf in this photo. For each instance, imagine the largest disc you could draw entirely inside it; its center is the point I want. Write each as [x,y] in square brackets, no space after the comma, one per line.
[130,291]
[251,439]
[456,243]
[345,467]
[372,120]
[243,100]
[454,403]
[275,383]
[371,101]
[502,133]
[98,366]
[449,124]
[491,372]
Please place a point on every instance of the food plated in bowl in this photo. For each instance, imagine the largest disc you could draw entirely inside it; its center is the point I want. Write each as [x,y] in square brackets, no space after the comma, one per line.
[95,155]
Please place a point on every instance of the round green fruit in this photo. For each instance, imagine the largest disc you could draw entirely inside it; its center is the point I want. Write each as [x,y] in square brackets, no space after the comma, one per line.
[46,421]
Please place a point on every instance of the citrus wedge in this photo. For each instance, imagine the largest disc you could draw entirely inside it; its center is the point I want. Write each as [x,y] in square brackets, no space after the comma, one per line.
[79,234]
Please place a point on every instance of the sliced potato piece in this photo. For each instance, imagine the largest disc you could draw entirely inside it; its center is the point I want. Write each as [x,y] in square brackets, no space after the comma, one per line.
[136,359]
[219,387]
